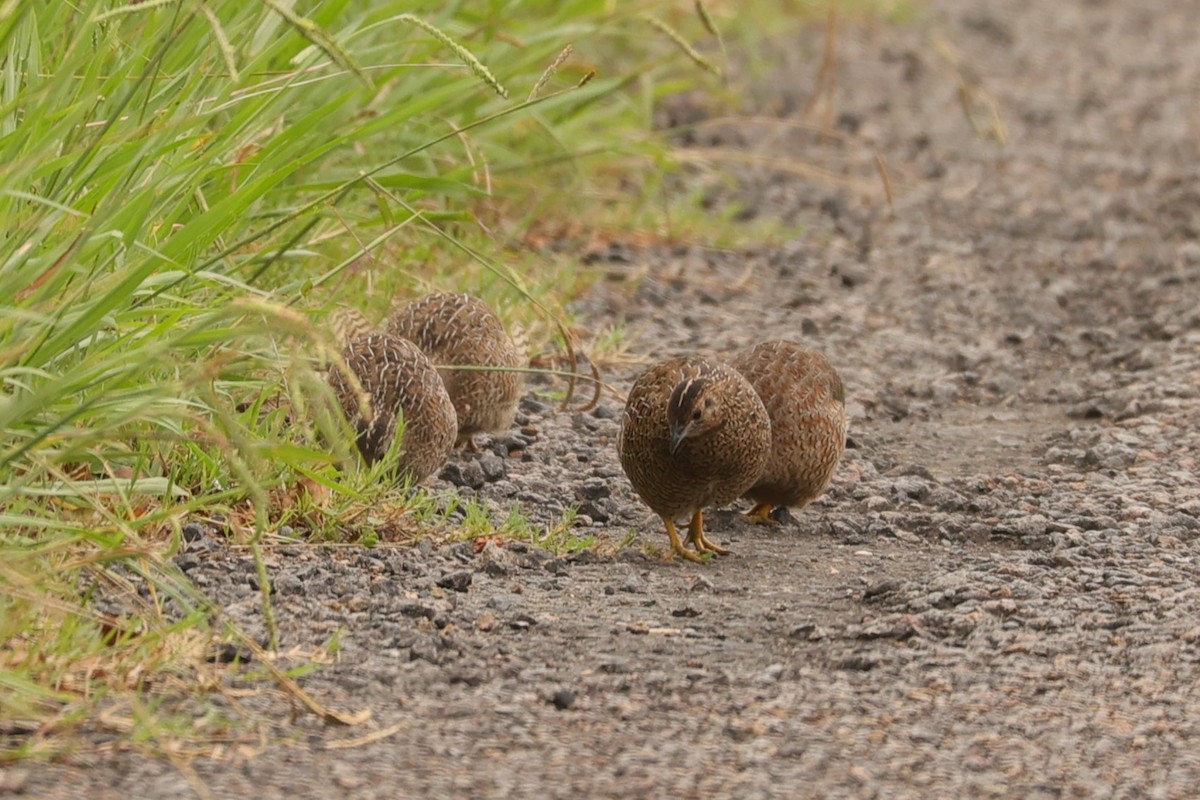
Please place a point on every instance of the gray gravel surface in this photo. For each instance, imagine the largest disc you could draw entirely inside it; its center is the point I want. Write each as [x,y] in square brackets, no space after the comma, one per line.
[997,598]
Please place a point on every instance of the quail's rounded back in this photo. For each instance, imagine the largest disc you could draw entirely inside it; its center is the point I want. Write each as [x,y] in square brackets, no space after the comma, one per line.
[458,329]
[712,469]
[805,400]
[348,324]
[396,378]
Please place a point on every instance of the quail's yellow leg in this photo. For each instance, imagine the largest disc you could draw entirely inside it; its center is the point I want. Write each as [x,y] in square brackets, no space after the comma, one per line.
[698,540]
[761,514]
[676,546]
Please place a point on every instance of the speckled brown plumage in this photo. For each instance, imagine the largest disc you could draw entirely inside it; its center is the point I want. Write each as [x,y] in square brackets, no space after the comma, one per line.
[458,329]
[348,324]
[397,378]
[694,435]
[805,400]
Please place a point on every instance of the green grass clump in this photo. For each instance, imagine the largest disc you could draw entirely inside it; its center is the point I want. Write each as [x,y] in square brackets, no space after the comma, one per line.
[560,538]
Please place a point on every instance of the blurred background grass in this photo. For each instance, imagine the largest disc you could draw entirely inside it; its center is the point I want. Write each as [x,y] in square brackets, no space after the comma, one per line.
[188,189]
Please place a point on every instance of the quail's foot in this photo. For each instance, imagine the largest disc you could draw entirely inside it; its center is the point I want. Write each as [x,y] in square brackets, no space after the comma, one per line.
[761,514]
[699,541]
[677,547]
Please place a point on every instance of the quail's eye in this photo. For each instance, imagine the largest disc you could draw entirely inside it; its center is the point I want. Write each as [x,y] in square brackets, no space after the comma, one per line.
[696,414]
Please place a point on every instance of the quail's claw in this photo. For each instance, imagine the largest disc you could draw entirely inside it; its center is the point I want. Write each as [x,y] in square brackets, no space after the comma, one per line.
[698,540]
[761,515]
[709,547]
[677,547]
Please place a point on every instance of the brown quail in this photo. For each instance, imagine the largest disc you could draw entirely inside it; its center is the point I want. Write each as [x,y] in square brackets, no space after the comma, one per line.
[804,397]
[694,435]
[460,330]
[398,380]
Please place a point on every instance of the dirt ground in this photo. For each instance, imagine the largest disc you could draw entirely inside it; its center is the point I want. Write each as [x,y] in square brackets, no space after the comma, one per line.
[999,596]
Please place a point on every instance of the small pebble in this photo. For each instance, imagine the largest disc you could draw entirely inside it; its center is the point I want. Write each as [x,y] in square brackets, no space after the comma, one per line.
[563,699]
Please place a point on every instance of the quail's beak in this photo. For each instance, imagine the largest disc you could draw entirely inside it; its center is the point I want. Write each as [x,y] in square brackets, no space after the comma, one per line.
[678,434]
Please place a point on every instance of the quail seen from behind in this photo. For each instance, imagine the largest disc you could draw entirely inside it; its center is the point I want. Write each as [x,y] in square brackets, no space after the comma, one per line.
[458,330]
[397,379]
[806,402]
[694,434]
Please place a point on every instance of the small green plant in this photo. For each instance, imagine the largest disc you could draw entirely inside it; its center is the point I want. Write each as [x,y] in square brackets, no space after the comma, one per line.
[516,525]
[561,537]
[654,550]
[476,521]
[627,540]
[564,537]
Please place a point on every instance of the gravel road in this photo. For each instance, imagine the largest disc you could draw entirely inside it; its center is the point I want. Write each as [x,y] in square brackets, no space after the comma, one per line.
[999,595]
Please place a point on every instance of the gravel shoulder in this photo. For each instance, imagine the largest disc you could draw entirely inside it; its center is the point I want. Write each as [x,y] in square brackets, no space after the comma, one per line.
[1000,594]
